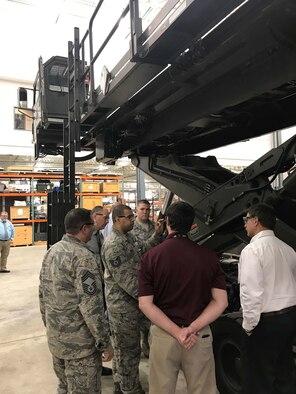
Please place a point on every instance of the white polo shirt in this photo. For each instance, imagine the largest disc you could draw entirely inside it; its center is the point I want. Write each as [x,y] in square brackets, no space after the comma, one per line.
[267,276]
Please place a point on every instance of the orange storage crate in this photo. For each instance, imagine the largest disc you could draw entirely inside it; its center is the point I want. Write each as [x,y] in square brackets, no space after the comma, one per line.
[23,235]
[110,187]
[19,212]
[90,187]
[91,202]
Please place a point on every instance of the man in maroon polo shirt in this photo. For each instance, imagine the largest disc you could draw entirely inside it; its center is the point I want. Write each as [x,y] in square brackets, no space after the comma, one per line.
[181,290]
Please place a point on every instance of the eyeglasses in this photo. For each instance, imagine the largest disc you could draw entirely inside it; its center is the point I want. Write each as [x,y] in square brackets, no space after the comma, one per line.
[130,217]
[104,216]
[87,224]
[246,218]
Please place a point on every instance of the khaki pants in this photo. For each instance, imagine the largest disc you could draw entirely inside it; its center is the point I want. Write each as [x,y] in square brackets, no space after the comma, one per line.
[167,357]
[4,250]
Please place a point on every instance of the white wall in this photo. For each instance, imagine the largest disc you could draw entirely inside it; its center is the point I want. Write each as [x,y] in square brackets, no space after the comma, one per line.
[288,133]
[29,32]
[12,142]
[242,154]
[37,28]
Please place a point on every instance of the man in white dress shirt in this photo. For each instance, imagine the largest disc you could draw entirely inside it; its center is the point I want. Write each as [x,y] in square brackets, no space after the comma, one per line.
[107,230]
[268,298]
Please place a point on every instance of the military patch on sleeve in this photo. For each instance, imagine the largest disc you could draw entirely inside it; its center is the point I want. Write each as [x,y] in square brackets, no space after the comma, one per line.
[116,262]
[89,283]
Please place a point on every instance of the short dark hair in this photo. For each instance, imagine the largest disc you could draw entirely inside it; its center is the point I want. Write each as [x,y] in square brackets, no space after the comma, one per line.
[96,209]
[265,214]
[143,201]
[75,219]
[118,210]
[180,217]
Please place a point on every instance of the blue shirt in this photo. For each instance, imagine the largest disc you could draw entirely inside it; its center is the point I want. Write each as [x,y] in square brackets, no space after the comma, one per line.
[10,231]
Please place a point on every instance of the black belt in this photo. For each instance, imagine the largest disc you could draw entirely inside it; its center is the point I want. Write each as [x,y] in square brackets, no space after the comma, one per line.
[280,312]
[4,240]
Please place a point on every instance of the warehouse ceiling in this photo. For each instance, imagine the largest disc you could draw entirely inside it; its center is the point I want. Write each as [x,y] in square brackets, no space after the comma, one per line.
[35,28]
[55,164]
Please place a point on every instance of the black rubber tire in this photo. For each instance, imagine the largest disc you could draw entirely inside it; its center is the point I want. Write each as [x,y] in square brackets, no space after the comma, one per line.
[227,333]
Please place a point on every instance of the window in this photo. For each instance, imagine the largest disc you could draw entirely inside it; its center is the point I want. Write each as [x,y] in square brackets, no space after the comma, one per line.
[23,118]
[57,78]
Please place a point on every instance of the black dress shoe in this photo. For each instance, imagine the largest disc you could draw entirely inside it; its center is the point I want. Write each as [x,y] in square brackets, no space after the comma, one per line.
[4,271]
[106,371]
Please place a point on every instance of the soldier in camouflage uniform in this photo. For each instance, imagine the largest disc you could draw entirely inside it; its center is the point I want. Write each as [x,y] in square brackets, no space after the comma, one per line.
[100,216]
[71,305]
[121,253]
[143,229]
[143,226]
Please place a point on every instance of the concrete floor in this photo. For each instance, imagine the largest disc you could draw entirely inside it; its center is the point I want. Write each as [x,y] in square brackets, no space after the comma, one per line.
[25,361]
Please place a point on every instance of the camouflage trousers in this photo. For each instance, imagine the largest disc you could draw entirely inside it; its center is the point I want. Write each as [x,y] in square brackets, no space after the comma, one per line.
[145,323]
[144,329]
[79,376]
[125,330]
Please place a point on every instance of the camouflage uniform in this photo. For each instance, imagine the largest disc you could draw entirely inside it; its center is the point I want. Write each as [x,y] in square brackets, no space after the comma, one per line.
[71,305]
[95,245]
[143,232]
[121,255]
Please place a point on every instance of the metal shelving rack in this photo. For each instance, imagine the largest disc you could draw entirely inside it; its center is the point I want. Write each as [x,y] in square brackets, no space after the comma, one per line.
[31,177]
